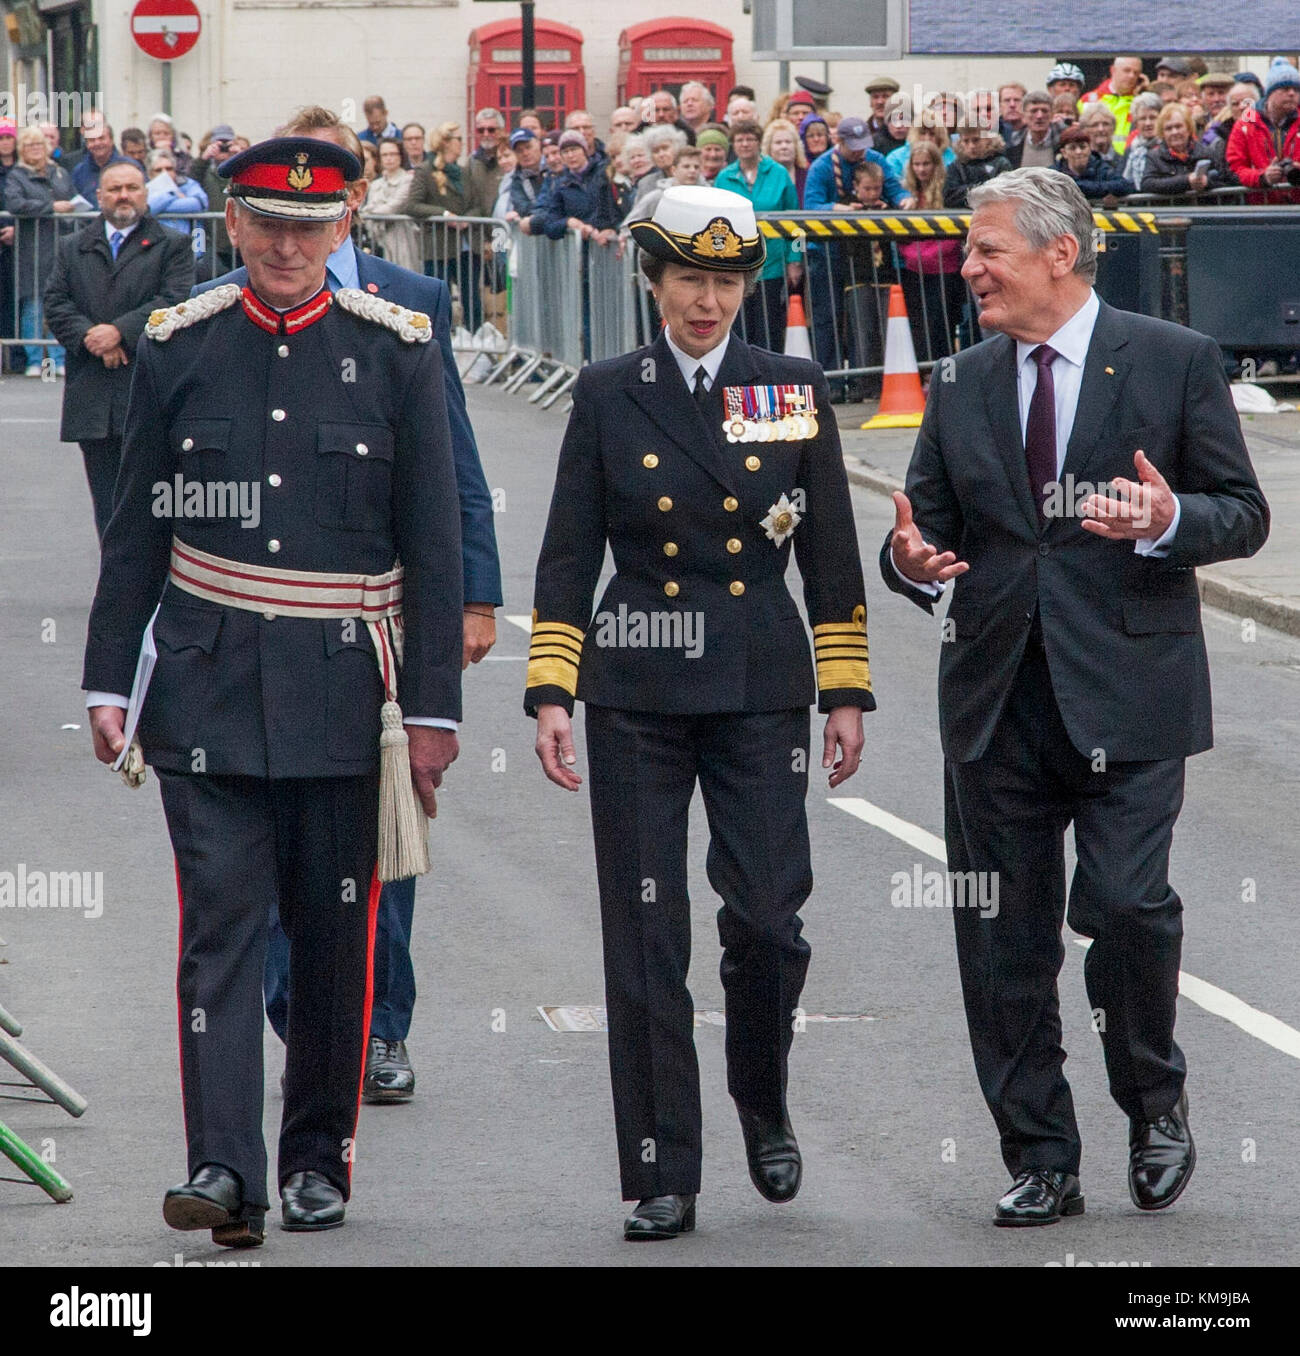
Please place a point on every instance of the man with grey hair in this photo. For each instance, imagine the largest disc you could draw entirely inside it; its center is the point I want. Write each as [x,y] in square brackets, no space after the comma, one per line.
[697,104]
[1038,144]
[1073,681]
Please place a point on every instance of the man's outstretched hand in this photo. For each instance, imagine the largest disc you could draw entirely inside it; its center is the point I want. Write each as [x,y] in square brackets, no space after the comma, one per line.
[916,559]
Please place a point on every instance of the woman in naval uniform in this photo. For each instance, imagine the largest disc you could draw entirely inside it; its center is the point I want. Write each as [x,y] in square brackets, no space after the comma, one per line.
[701,461]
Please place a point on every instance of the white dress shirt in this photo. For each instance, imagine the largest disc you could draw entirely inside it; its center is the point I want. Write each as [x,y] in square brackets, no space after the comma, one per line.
[110,231]
[1071,343]
[711,361]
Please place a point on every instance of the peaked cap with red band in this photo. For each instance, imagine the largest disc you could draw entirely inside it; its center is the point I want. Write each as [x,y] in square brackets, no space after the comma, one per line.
[293,178]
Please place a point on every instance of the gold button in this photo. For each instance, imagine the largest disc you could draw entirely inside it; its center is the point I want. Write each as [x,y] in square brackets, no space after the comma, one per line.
[670,548]
[665,504]
[752,463]
[733,545]
[730,504]
[671,589]
[737,588]
[650,460]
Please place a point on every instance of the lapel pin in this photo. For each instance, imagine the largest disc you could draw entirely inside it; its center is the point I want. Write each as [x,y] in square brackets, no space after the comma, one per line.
[1110,371]
[374,287]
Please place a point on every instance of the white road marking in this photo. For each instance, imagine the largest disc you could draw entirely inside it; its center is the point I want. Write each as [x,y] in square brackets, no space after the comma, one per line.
[1271,1030]
[910,834]
[525,624]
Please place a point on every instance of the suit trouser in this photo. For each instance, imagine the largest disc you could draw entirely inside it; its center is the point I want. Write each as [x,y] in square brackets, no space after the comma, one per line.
[752,771]
[1006,813]
[394,984]
[825,295]
[307,847]
[103,459]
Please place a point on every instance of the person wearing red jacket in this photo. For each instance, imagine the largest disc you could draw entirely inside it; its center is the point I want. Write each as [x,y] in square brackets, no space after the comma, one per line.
[1264,147]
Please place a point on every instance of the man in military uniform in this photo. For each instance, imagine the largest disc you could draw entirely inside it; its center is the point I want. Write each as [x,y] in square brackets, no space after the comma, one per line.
[283,628]
[389,1075]
[702,461]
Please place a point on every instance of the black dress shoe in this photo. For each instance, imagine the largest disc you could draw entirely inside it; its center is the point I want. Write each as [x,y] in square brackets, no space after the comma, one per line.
[389,1076]
[249,1232]
[1161,1156]
[1039,1196]
[660,1217]
[775,1166]
[212,1197]
[310,1201]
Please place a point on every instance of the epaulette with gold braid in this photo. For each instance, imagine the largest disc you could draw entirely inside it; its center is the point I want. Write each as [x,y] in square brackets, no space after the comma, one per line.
[413,326]
[164,323]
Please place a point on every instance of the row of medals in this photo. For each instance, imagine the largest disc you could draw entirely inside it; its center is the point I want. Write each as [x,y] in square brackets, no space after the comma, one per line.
[788,429]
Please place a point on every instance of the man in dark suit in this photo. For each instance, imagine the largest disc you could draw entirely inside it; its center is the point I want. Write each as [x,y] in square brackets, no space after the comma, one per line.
[263,720]
[389,1075]
[106,280]
[1073,681]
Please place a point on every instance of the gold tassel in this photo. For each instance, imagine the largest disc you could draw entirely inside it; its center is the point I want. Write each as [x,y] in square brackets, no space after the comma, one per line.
[403,826]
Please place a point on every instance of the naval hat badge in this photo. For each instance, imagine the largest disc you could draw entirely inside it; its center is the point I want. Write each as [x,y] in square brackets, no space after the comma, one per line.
[717,240]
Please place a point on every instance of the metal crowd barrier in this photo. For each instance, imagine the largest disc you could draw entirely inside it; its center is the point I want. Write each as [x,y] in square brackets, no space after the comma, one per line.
[530,311]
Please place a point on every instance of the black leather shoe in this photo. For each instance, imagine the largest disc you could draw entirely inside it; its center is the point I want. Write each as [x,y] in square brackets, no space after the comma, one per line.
[310,1201]
[660,1217]
[389,1076]
[214,1196]
[775,1166]
[1039,1196]
[1161,1156]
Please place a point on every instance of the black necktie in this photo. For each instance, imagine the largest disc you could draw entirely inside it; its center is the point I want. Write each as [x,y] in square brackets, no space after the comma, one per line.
[1040,429]
[701,392]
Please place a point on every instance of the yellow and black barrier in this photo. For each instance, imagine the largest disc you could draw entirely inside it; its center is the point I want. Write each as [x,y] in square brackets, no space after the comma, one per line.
[913,225]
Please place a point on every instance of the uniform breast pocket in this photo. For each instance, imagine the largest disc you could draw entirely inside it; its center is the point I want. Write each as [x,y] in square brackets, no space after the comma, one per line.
[354,476]
[201,447]
[353,692]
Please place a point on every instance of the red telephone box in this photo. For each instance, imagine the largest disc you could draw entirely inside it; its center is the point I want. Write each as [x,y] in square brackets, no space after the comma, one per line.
[496,70]
[666,53]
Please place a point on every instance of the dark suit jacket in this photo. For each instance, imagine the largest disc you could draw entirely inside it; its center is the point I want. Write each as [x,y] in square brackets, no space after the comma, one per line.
[153,269]
[645,469]
[363,474]
[481,566]
[1122,631]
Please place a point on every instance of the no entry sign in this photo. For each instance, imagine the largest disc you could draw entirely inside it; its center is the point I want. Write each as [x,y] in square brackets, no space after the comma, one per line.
[165,29]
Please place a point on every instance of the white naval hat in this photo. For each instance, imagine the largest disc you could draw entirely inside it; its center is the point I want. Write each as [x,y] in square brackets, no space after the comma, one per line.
[704,228]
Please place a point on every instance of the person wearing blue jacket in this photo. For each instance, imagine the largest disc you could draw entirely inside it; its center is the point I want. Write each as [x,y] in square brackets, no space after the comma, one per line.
[388,1073]
[580,197]
[1096,179]
[171,192]
[829,188]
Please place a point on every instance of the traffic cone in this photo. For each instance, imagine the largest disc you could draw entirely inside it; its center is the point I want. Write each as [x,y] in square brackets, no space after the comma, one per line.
[901,400]
[796,329]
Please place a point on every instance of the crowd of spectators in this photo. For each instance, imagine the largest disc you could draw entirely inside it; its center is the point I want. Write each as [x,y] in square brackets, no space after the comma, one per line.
[1188,132]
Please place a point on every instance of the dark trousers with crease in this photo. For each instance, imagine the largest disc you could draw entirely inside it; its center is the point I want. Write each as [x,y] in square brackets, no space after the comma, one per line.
[102,458]
[394,983]
[1006,813]
[305,847]
[752,772]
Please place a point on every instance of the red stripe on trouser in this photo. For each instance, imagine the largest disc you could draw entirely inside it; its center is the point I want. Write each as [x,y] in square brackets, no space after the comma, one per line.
[372,913]
[180,1016]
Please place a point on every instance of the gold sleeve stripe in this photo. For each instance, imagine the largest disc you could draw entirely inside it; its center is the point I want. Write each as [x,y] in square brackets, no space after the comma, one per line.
[540,652]
[553,673]
[562,628]
[573,647]
[843,673]
[841,628]
[841,638]
[824,655]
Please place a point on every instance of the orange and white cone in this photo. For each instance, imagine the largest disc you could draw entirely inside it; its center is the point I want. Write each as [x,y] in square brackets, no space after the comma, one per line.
[902,402]
[797,344]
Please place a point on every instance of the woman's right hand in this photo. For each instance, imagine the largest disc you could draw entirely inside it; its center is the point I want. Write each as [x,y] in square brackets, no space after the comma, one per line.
[555,746]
